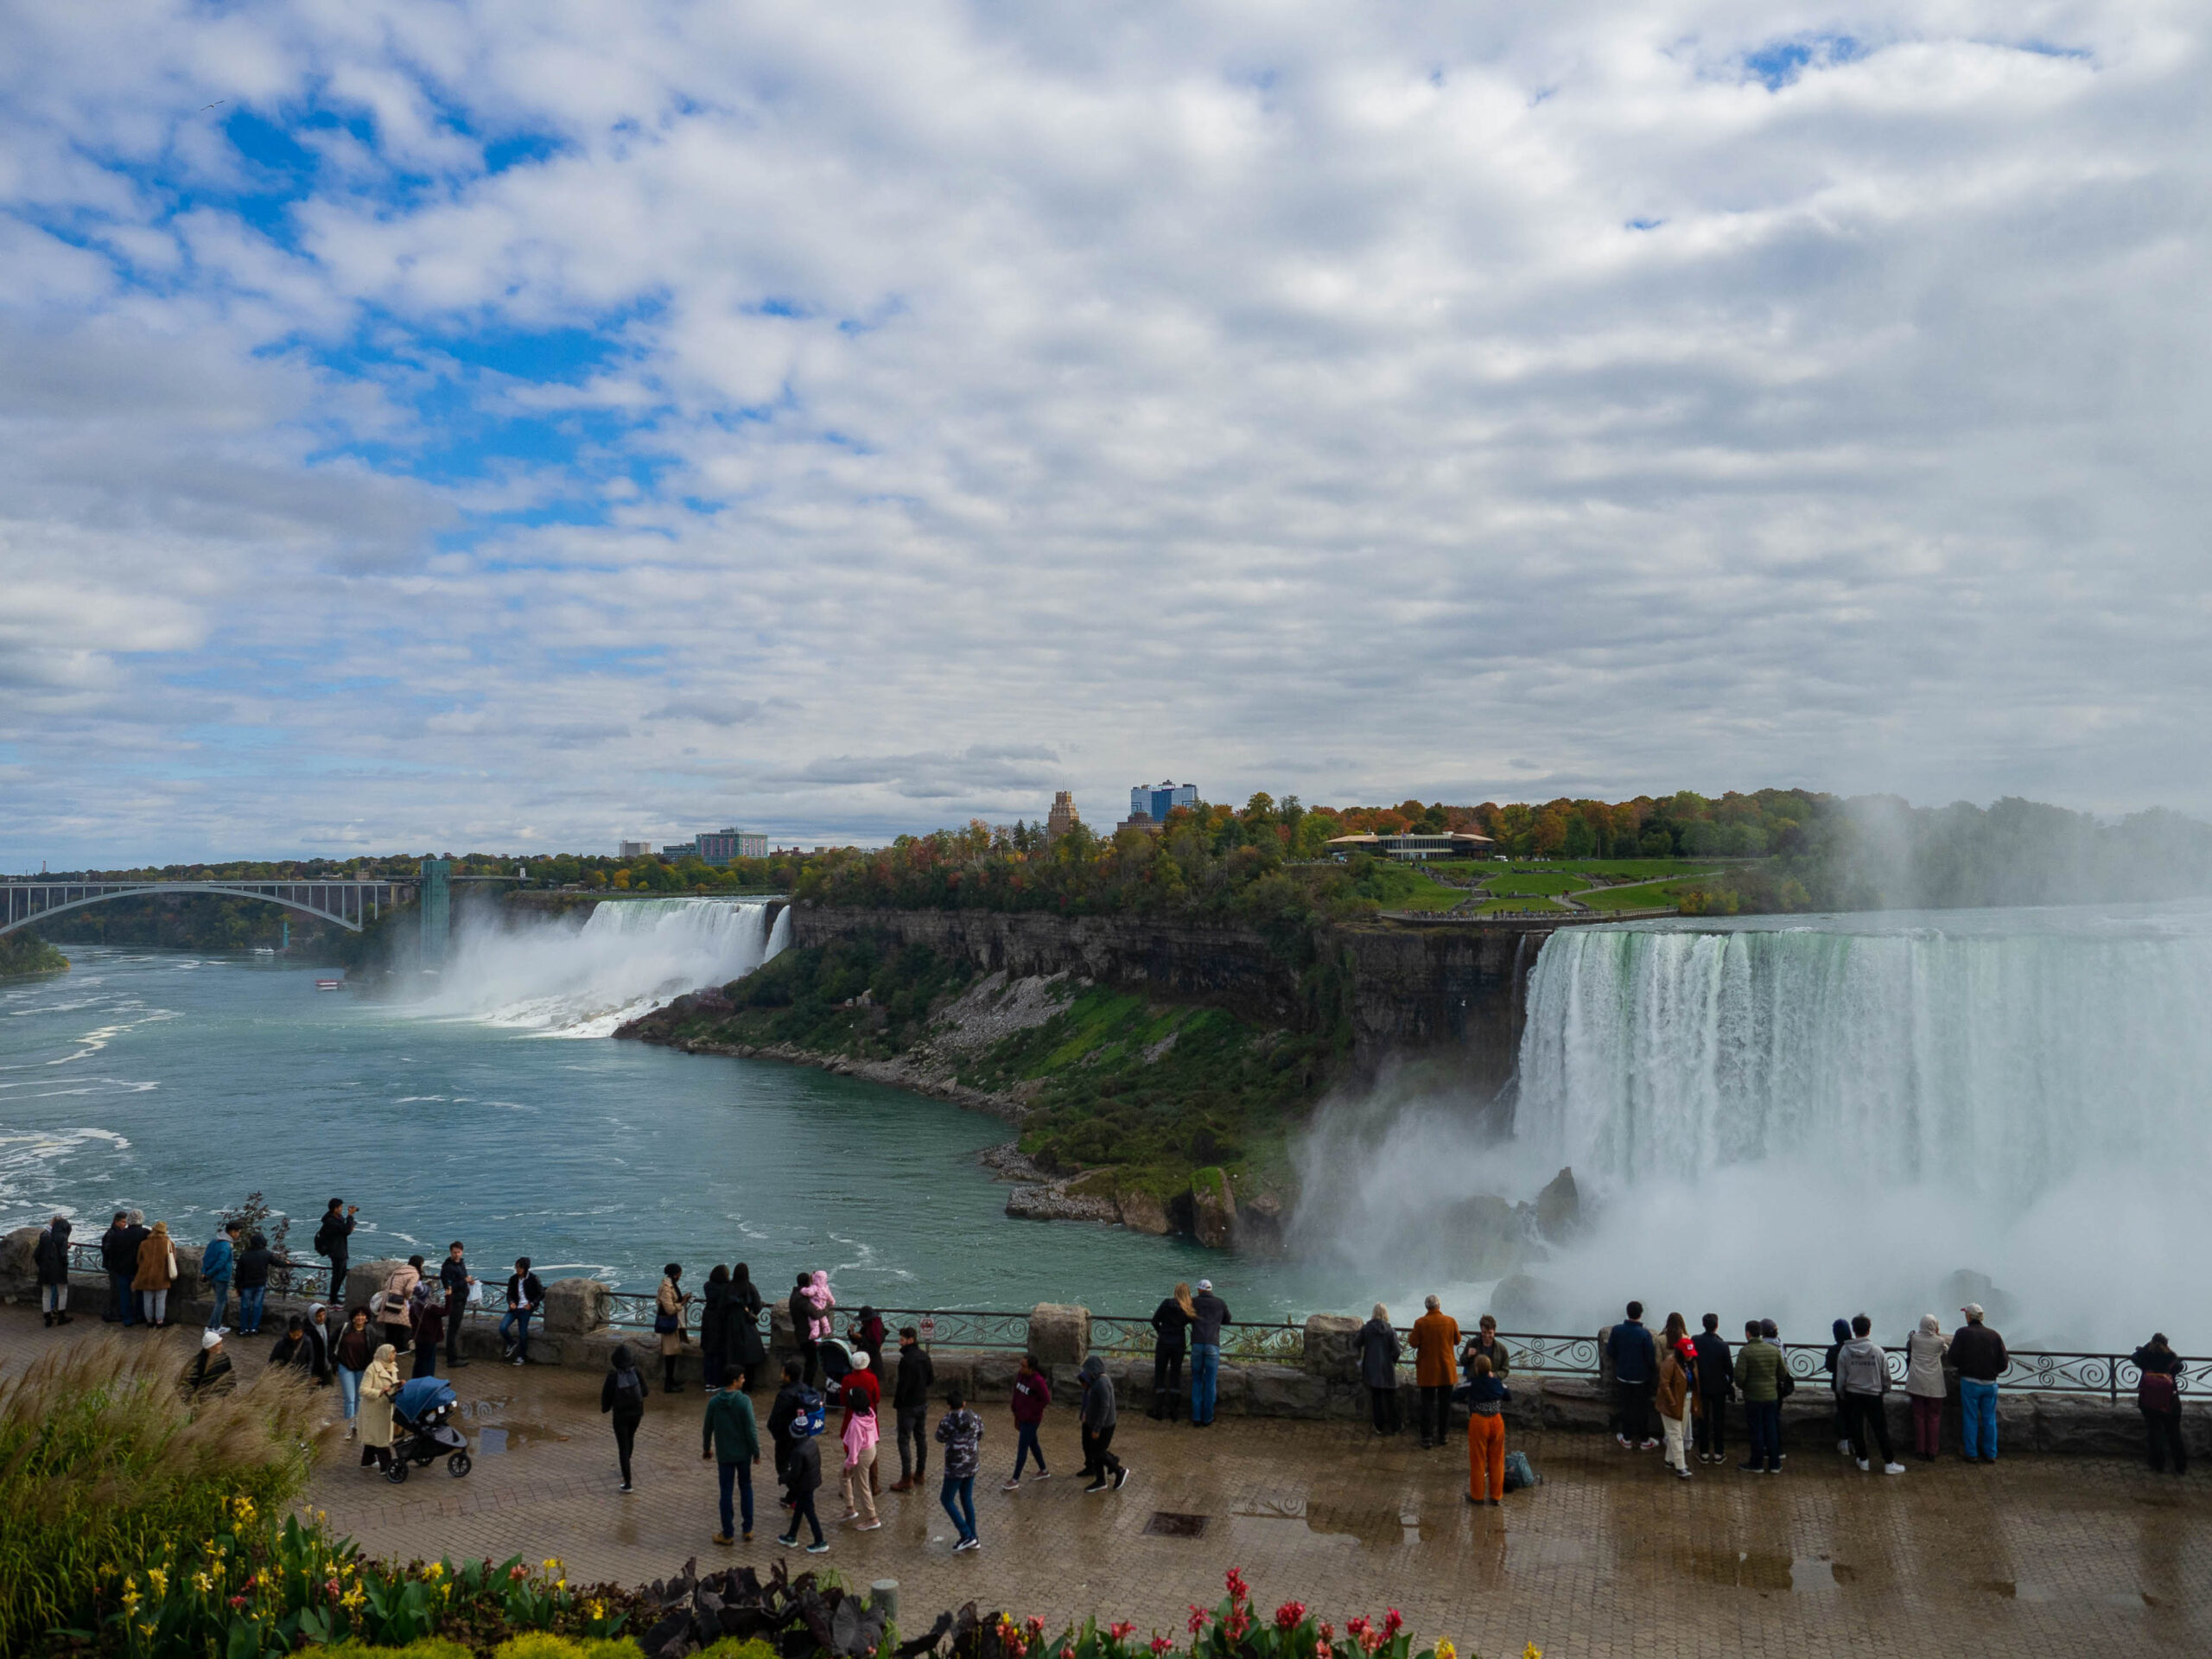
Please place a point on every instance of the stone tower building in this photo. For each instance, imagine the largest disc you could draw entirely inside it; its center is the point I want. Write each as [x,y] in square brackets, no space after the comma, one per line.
[1062,818]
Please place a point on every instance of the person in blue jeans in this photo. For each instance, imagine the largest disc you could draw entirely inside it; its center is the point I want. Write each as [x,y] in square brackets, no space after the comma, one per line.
[119,1256]
[1978,1352]
[960,1431]
[525,1293]
[251,1277]
[216,1262]
[1208,1315]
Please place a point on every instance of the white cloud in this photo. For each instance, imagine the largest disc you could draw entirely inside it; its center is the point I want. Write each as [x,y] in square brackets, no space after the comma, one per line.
[1015,399]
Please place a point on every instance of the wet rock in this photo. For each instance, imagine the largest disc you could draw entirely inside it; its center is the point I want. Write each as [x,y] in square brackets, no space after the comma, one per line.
[1141,1212]
[1283,1391]
[1328,1346]
[575,1307]
[1213,1208]
[1966,1286]
[1053,1202]
[1558,1207]
[18,1269]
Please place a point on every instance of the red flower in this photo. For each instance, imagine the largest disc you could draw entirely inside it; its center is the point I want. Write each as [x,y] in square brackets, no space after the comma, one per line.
[1322,1650]
[1237,1588]
[1290,1615]
[1121,1632]
[1356,1625]
[1393,1621]
[1239,1623]
[1328,1631]
[1161,1645]
[1198,1618]
[1034,1625]
[237,1602]
[1370,1639]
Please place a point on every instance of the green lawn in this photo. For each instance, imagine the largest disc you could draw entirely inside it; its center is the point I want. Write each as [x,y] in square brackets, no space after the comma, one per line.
[1400,886]
[1638,868]
[1517,884]
[1646,895]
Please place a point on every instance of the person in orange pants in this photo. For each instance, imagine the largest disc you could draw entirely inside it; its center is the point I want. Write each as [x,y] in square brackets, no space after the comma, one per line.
[1486,1399]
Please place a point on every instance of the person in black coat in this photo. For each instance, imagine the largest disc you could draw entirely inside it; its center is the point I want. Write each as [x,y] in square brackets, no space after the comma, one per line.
[802,1477]
[622,1397]
[910,1400]
[1378,1348]
[251,1274]
[1170,1324]
[810,1352]
[50,1256]
[119,1257]
[746,1351]
[714,1326]
[1716,1386]
[2158,1396]
[791,1399]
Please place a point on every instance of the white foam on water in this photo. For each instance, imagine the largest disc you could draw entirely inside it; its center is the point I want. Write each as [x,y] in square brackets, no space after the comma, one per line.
[558,979]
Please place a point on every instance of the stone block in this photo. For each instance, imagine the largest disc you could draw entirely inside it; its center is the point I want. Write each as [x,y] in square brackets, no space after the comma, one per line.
[18,1271]
[1328,1346]
[955,1370]
[1143,1213]
[1283,1391]
[575,1307]
[365,1279]
[1059,1334]
[783,1345]
[1232,1391]
[990,1374]
[1213,1208]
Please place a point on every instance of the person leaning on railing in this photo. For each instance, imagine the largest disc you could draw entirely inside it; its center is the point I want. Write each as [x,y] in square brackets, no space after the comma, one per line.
[1978,1357]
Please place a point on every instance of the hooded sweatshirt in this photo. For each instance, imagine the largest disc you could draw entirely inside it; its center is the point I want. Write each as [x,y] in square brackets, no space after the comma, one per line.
[623,1394]
[819,1301]
[1923,1353]
[1841,1330]
[1862,1368]
[1099,1410]
[1032,1393]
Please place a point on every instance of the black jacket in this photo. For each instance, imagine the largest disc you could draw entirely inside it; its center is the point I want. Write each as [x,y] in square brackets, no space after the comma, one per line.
[916,1374]
[714,1318]
[524,1290]
[745,1343]
[785,1408]
[802,1320]
[802,1468]
[1173,1325]
[1378,1348]
[118,1250]
[1716,1366]
[334,1238]
[1978,1352]
[252,1272]
[51,1254]
[454,1275]
[624,1400]
[1213,1314]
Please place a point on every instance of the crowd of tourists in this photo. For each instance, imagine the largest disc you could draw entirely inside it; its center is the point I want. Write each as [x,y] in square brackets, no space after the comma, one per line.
[1686,1381]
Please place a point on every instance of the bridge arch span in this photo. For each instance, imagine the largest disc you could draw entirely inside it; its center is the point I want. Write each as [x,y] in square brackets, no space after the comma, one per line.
[350,905]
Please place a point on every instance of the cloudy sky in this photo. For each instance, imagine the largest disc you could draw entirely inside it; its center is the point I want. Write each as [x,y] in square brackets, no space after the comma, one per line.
[520,425]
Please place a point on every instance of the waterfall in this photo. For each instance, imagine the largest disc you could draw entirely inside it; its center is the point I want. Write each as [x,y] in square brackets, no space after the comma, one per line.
[628,957]
[1993,1051]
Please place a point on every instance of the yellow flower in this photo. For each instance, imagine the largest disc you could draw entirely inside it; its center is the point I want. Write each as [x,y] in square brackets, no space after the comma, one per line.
[202,1583]
[1445,1650]
[159,1580]
[1532,1651]
[434,1570]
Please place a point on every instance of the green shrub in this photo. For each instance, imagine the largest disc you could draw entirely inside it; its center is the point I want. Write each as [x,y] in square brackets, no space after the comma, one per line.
[730,1648]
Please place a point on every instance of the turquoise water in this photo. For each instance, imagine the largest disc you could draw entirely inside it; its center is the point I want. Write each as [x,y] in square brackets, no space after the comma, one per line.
[177,1083]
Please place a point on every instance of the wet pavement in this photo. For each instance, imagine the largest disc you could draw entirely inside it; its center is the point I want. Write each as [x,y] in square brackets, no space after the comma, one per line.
[1610,1556]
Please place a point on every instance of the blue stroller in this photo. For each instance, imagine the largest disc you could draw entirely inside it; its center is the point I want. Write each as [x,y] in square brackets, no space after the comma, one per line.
[419,1412]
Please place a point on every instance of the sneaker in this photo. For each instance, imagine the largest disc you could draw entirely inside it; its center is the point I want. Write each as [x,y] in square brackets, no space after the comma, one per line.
[1844,1446]
[850,1514]
[1774,1468]
[624,1487]
[869,1526]
[1098,1485]
[1684,1473]
[1120,1476]
[517,1360]
[724,1539]
[1626,1444]
[1042,1474]
[1011,1486]
[1864,1466]
[967,1544]
[1650,1445]
[787,1539]
[1893,1468]
[1753,1468]
[822,1548]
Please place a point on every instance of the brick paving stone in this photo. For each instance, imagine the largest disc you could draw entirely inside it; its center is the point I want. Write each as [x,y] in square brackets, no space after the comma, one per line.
[1611,1557]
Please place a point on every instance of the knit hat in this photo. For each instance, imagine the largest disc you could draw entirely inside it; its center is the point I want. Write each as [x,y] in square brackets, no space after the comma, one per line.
[209,1337]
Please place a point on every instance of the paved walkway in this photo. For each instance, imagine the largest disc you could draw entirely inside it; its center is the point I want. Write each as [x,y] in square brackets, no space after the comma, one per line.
[1611,1556]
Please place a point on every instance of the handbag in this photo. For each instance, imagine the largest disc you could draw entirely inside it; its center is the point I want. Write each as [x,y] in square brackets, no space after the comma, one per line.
[2156,1392]
[666,1325]
[1784,1386]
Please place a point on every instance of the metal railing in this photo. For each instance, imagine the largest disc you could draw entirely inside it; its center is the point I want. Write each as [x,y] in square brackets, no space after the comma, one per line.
[1283,1342]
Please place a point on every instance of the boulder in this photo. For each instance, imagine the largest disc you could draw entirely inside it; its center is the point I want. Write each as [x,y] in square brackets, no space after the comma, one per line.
[1283,1391]
[1059,1334]
[783,1345]
[575,1307]
[1213,1208]
[1328,1347]
[1558,1207]
[1966,1286]
[1141,1212]
[363,1280]
[1256,1226]
[18,1272]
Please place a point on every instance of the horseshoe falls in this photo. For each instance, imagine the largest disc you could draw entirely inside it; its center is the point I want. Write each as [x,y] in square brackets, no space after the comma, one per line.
[626,956]
[1880,1112]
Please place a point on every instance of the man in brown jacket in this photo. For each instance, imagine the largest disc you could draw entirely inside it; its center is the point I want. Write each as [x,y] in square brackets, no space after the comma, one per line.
[1436,1340]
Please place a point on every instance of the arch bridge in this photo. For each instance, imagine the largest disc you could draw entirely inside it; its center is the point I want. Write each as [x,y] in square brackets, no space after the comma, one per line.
[351,905]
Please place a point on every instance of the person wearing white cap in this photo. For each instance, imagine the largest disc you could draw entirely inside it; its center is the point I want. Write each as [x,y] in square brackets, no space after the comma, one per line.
[1208,1315]
[1978,1357]
[209,1375]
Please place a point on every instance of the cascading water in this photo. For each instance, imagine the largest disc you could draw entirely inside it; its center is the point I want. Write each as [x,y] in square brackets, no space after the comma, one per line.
[627,957]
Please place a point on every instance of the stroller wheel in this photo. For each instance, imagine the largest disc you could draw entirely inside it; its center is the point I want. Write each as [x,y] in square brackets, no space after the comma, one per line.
[398,1474]
[457,1465]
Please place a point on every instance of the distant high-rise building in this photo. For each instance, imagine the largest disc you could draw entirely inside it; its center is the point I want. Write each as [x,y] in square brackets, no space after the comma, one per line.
[636,850]
[1156,801]
[719,847]
[1062,818]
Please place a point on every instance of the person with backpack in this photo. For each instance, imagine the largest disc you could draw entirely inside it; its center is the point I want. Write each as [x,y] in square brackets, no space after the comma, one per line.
[1635,1372]
[1031,1392]
[960,1431]
[1760,1376]
[622,1397]
[1208,1315]
[1924,1353]
[1487,1398]
[1171,1330]
[910,1400]
[333,1239]
[730,1437]
[1716,1383]
[868,1333]
[50,1258]
[1099,1413]
[217,1263]
[251,1277]
[801,1479]
[526,1295]
[426,1323]
[2158,1396]
[1863,1380]
[1378,1348]
[796,1413]
[1978,1357]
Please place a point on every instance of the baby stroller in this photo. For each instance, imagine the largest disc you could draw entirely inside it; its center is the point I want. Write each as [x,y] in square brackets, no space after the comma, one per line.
[422,1435]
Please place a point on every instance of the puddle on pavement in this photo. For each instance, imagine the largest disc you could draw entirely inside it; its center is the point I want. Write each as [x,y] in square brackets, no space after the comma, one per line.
[1769,1570]
[504,1435]
[1364,1523]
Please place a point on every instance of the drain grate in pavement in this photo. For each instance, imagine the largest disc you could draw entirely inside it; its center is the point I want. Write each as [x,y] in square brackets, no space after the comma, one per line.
[1166,1524]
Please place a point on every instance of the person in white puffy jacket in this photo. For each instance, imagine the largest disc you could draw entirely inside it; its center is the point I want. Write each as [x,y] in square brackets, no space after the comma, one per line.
[1925,1381]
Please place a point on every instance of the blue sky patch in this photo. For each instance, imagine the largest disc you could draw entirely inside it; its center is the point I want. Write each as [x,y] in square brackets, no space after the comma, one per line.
[1778,64]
